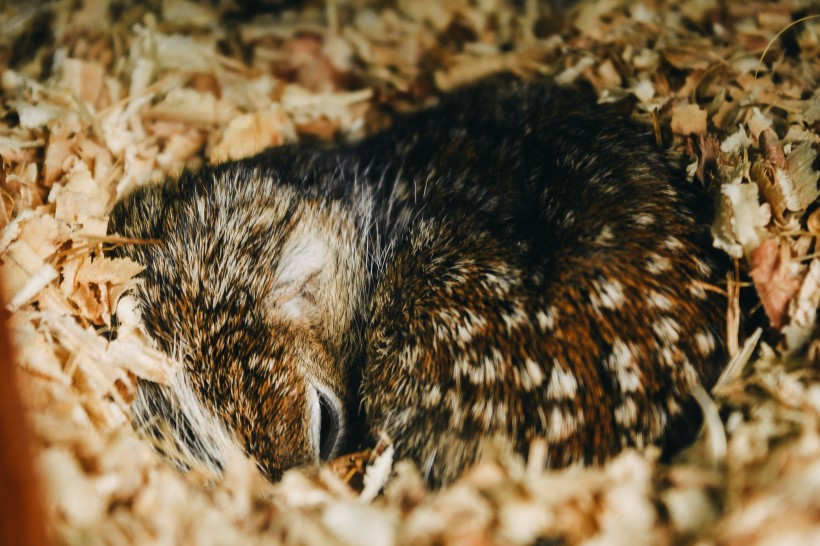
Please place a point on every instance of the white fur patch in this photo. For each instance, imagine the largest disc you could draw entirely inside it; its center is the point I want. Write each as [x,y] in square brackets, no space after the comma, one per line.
[705,342]
[667,329]
[658,301]
[562,424]
[703,268]
[621,356]
[610,295]
[689,374]
[466,328]
[515,319]
[215,446]
[626,414]
[669,356]
[657,264]
[672,405]
[605,236]
[672,243]
[658,422]
[697,291]
[486,411]
[562,385]
[303,257]
[485,372]
[432,397]
[622,363]
[530,376]
[455,404]
[546,319]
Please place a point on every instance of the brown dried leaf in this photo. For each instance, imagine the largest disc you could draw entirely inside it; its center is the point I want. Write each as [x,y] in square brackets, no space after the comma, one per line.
[801,171]
[803,312]
[688,119]
[708,151]
[772,150]
[764,174]
[774,279]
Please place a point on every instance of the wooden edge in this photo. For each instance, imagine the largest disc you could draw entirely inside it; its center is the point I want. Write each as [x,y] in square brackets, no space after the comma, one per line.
[22,514]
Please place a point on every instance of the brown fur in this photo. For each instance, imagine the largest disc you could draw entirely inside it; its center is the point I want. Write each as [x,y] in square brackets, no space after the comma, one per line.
[515,263]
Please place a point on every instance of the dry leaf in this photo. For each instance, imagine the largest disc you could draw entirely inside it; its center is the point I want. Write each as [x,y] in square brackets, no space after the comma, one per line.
[774,279]
[688,119]
[708,151]
[803,311]
[801,162]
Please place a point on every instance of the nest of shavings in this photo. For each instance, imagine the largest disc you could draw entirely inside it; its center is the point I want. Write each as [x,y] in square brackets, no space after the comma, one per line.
[98,96]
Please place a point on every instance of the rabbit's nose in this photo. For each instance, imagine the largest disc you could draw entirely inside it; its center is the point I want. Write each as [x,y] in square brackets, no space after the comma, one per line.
[327,424]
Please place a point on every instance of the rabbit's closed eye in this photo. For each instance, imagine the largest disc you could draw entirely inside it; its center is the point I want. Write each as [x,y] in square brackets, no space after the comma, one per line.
[327,422]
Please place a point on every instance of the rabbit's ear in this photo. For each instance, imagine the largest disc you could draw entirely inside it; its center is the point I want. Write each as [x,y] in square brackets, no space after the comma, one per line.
[297,276]
[304,255]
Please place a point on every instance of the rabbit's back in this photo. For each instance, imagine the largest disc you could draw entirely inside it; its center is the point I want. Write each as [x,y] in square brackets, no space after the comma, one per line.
[553,285]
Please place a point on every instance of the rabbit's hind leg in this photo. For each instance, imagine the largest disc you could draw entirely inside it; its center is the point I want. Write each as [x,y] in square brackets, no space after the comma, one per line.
[448,376]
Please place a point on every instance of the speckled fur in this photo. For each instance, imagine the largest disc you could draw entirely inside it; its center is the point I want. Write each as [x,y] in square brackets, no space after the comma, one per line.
[510,264]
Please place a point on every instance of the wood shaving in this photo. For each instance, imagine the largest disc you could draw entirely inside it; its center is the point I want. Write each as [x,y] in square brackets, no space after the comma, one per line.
[123,93]
[688,119]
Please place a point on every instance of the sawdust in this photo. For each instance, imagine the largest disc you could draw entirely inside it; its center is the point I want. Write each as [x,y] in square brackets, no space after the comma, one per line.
[128,93]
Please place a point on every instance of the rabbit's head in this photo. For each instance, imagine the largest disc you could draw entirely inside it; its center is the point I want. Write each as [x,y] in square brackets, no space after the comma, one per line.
[255,293]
